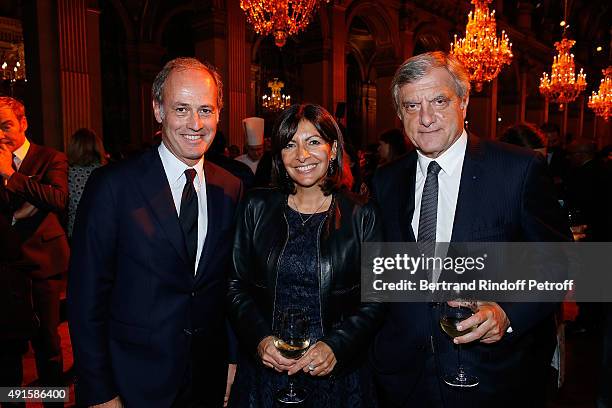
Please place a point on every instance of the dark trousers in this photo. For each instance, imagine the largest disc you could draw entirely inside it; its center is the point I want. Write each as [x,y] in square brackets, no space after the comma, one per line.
[46,341]
[11,367]
[203,384]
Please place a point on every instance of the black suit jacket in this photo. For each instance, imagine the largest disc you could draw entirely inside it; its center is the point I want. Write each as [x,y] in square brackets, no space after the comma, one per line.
[505,195]
[135,308]
[42,180]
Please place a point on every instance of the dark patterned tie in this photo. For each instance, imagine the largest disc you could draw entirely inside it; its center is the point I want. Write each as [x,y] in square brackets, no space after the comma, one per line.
[429,212]
[13,164]
[188,216]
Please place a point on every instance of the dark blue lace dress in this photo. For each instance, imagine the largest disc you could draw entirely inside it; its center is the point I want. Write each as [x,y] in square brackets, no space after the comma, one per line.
[255,386]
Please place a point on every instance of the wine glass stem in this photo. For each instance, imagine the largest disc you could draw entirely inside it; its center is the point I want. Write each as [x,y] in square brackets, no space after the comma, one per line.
[291,390]
[460,371]
[459,356]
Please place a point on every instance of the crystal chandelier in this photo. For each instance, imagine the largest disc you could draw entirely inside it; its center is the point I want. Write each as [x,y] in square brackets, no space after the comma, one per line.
[563,86]
[481,51]
[282,18]
[276,101]
[13,63]
[601,102]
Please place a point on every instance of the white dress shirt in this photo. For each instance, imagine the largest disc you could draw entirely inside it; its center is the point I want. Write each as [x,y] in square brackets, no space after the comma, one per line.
[20,153]
[449,178]
[175,172]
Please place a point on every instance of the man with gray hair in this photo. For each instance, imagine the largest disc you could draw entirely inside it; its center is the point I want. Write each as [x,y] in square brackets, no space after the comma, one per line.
[458,188]
[151,247]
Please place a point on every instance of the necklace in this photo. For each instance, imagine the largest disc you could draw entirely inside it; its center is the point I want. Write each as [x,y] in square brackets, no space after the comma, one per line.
[304,221]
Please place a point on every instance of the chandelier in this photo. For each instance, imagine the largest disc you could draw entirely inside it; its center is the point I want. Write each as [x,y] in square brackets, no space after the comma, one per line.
[13,63]
[481,51]
[276,101]
[563,86]
[282,18]
[601,102]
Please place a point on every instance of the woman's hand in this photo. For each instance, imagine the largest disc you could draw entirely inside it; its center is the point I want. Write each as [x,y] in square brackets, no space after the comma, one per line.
[271,357]
[319,360]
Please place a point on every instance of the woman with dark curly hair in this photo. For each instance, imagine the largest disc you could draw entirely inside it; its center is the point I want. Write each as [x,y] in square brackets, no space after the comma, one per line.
[298,244]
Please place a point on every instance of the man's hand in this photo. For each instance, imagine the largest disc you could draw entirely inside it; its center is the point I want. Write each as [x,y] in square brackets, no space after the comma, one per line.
[114,403]
[271,357]
[231,374]
[25,211]
[319,360]
[490,318]
[6,162]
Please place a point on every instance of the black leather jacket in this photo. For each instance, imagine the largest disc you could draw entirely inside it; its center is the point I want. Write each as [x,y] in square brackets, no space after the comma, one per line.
[261,235]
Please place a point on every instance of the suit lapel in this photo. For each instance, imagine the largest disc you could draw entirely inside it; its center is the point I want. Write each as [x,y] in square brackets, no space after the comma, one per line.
[30,164]
[29,167]
[214,205]
[406,195]
[154,185]
[470,189]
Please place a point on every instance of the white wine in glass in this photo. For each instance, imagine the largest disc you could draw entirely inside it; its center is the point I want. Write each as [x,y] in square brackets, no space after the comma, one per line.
[292,342]
[449,319]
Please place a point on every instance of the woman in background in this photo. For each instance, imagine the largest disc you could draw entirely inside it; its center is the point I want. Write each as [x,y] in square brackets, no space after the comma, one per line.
[391,145]
[85,153]
[298,244]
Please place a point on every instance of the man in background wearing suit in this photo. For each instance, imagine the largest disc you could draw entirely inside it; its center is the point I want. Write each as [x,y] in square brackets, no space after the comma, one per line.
[33,196]
[482,191]
[150,254]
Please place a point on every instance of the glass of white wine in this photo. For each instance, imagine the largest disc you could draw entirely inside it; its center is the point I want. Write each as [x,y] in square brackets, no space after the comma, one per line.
[449,319]
[292,342]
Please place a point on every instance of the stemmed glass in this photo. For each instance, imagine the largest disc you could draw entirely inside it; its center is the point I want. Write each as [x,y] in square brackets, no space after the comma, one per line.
[292,341]
[449,319]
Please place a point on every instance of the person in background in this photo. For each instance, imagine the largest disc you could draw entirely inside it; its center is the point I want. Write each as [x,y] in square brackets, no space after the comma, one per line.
[233,151]
[391,146]
[526,135]
[33,200]
[216,154]
[254,133]
[85,153]
[18,323]
[556,157]
[298,244]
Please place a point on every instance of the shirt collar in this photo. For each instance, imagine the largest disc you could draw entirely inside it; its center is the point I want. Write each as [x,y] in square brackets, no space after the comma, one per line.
[175,168]
[21,152]
[450,160]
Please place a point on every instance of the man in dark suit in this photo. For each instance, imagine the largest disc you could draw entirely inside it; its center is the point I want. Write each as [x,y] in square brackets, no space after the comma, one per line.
[458,188]
[17,320]
[150,254]
[33,195]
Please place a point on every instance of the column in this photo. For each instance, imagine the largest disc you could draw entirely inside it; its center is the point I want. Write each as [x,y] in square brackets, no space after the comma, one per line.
[238,73]
[581,120]
[338,43]
[144,62]
[525,10]
[43,94]
[74,71]
[523,103]
[93,63]
[493,113]
[211,45]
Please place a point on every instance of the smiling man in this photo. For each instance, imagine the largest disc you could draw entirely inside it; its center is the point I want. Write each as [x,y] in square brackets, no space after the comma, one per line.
[458,188]
[150,254]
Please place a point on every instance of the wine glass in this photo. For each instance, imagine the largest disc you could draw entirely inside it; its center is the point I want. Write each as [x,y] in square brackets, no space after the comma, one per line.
[449,319]
[292,342]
